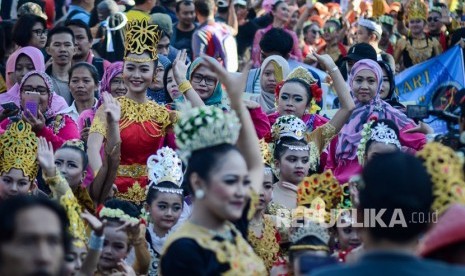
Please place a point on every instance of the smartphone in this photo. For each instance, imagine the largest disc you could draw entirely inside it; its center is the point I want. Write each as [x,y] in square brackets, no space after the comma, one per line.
[31,100]
[417,112]
[87,122]
[11,106]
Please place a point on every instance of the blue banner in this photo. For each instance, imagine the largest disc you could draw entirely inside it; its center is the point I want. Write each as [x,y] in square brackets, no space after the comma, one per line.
[435,82]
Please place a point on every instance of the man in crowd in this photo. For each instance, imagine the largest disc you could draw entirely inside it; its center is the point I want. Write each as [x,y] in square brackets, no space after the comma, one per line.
[185,27]
[80,10]
[83,38]
[61,48]
[141,10]
[33,236]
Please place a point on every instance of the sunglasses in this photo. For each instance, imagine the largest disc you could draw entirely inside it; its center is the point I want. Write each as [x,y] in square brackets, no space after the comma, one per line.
[433,19]
[415,21]
[329,30]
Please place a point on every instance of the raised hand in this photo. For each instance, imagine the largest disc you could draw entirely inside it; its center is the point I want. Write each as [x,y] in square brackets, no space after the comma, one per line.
[37,123]
[234,82]
[325,61]
[46,157]
[180,67]
[94,223]
[111,107]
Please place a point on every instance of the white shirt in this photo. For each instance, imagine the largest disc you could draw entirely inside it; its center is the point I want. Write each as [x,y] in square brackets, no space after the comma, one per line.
[73,112]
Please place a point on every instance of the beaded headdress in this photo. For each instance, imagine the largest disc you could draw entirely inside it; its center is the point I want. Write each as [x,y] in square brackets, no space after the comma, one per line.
[322,194]
[288,126]
[203,127]
[165,166]
[417,9]
[302,74]
[18,149]
[77,227]
[75,143]
[380,133]
[141,37]
[312,229]
[445,169]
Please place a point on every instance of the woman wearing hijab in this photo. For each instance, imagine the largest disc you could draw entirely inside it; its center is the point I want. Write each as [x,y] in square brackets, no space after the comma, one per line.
[156,92]
[365,81]
[56,128]
[21,62]
[274,69]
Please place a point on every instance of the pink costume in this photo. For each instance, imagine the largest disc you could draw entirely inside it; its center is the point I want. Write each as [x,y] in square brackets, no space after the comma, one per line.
[37,58]
[342,156]
[296,53]
[58,128]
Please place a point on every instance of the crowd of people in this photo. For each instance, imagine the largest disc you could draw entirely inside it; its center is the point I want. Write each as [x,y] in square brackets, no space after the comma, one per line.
[186,137]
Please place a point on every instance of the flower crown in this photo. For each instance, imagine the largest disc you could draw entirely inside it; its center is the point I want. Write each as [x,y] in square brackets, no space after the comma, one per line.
[322,193]
[380,133]
[141,37]
[18,149]
[117,214]
[302,74]
[165,166]
[445,168]
[203,127]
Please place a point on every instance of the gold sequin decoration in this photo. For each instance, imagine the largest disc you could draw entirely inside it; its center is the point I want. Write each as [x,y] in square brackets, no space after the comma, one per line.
[134,170]
[266,246]
[135,194]
[77,228]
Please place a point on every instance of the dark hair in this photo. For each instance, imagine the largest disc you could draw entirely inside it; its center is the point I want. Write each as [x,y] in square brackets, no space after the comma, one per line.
[85,159]
[59,30]
[409,189]
[127,207]
[164,33]
[307,240]
[22,30]
[204,161]
[139,2]
[184,2]
[390,124]
[153,192]
[335,21]
[9,209]
[277,40]
[80,24]
[457,35]
[392,85]
[280,149]
[165,77]
[276,4]
[91,68]
[204,7]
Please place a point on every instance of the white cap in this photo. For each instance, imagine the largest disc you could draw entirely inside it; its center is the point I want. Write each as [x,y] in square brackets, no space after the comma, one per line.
[240,2]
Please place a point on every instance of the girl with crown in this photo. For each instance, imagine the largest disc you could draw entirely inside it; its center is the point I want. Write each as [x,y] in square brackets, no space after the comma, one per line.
[418,46]
[299,94]
[144,125]
[165,203]
[219,175]
[365,81]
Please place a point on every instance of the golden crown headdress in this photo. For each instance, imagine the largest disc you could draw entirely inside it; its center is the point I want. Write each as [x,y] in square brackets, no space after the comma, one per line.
[141,37]
[310,229]
[165,166]
[18,149]
[417,9]
[322,191]
[302,74]
[75,143]
[77,227]
[266,152]
[445,168]
[288,126]
[203,127]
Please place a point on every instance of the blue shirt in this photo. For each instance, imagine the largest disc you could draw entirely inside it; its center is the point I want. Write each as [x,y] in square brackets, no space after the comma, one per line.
[82,15]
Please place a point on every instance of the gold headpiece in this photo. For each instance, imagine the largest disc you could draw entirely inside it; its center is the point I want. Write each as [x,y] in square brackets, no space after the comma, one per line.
[203,127]
[141,37]
[18,150]
[266,153]
[288,126]
[165,166]
[302,74]
[75,143]
[311,228]
[445,169]
[73,209]
[417,9]
[322,194]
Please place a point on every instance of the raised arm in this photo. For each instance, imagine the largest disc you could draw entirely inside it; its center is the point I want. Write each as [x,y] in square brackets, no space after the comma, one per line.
[248,140]
[180,72]
[342,91]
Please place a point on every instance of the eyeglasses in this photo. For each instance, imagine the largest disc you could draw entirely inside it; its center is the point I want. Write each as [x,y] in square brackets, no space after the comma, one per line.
[197,78]
[415,21]
[42,90]
[433,19]
[316,32]
[40,32]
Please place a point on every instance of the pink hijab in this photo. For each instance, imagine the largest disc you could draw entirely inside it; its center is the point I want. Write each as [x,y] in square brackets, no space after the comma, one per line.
[351,133]
[33,53]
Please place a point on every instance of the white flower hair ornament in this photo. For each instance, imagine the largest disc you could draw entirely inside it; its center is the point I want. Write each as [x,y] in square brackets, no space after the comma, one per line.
[381,133]
[165,165]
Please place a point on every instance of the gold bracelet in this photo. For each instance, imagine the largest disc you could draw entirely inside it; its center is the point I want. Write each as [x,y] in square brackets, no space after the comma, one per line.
[184,86]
